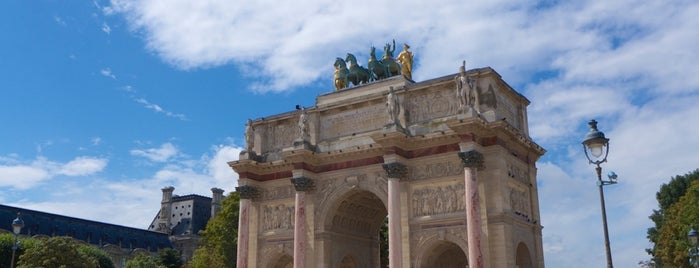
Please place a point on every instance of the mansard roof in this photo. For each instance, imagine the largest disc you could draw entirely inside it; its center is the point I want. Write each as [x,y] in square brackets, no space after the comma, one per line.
[92,232]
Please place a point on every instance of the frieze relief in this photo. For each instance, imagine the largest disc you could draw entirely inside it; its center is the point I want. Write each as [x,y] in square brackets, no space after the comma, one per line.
[425,171]
[436,200]
[276,193]
[278,216]
[518,173]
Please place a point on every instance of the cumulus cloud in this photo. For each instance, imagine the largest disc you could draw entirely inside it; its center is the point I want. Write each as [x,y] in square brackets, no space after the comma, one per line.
[161,154]
[24,175]
[82,166]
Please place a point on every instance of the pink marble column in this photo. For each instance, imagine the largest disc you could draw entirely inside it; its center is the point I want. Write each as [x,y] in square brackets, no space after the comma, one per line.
[302,185]
[473,161]
[395,172]
[246,193]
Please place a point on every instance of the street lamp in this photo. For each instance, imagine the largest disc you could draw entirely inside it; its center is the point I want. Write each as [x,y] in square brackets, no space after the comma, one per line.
[596,148]
[17,226]
[693,250]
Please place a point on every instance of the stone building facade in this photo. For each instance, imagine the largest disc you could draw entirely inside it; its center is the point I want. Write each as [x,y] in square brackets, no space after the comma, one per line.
[182,217]
[448,161]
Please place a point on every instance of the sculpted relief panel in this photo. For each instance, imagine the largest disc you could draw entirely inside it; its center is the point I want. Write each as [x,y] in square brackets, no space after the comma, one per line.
[518,173]
[519,202]
[430,104]
[278,135]
[423,171]
[278,216]
[350,121]
[436,200]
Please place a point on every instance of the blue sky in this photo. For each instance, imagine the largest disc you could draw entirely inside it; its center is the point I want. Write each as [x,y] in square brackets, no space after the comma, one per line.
[104,103]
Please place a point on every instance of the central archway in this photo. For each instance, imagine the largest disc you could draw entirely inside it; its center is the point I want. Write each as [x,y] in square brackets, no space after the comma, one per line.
[352,229]
[446,255]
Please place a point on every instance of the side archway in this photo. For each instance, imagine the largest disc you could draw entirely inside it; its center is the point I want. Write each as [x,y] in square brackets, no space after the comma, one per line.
[523,259]
[444,254]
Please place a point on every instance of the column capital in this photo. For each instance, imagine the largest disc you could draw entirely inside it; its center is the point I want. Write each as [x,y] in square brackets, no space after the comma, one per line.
[247,192]
[395,170]
[472,159]
[303,184]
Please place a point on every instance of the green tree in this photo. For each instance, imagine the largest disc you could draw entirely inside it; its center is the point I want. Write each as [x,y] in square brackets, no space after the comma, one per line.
[170,258]
[383,246]
[218,246]
[6,242]
[668,195]
[142,260]
[59,251]
[103,259]
[671,248]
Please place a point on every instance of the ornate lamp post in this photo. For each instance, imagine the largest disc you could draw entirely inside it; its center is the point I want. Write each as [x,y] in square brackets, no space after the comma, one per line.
[17,225]
[596,146]
[693,250]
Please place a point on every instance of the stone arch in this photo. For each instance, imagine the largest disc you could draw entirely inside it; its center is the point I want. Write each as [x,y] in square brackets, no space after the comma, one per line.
[348,261]
[341,192]
[351,225]
[277,256]
[523,258]
[443,253]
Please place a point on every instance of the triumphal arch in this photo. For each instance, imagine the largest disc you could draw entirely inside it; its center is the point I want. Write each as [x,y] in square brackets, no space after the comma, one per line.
[447,162]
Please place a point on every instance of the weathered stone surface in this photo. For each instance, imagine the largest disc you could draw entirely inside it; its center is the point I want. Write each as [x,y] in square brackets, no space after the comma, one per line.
[413,173]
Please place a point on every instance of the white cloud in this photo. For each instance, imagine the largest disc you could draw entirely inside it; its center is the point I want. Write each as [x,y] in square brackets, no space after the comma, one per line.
[82,166]
[140,196]
[159,109]
[96,141]
[107,72]
[24,175]
[162,154]
[106,28]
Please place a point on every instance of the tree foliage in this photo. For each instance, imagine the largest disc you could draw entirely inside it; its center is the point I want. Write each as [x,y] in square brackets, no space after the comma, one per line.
[669,194]
[170,258]
[218,246]
[672,246]
[59,251]
[142,260]
[6,242]
[103,259]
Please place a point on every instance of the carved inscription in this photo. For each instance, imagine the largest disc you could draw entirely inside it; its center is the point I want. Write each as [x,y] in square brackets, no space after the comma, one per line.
[435,170]
[431,104]
[353,121]
[435,200]
[277,217]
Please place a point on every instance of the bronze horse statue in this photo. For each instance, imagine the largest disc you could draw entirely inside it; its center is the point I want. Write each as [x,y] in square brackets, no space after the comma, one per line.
[357,74]
[376,69]
[391,67]
[341,72]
